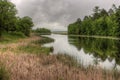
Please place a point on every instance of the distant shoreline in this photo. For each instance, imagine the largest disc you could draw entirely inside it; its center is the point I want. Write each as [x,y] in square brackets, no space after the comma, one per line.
[95,36]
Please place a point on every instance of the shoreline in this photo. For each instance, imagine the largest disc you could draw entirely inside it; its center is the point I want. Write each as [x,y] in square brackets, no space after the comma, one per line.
[103,37]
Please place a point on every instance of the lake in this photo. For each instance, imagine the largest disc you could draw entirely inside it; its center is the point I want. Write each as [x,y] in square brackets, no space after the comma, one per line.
[104,53]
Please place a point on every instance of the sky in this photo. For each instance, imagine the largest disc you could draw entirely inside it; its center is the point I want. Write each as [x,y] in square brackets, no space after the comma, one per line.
[58,14]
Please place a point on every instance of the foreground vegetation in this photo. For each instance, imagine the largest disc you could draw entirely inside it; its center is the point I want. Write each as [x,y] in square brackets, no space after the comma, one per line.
[102,23]
[18,43]
[4,74]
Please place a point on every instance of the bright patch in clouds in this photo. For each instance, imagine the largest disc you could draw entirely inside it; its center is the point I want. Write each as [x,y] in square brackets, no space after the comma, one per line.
[16,1]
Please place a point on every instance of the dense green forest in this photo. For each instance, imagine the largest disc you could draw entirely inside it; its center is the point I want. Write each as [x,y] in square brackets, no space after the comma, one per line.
[101,22]
[10,22]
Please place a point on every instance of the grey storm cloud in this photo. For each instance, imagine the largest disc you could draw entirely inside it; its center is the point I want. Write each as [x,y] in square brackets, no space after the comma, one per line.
[57,14]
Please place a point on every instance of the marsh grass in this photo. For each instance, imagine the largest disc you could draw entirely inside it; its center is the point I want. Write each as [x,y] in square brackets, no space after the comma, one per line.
[4,74]
[44,40]
[11,37]
[5,49]
[92,72]
[67,60]
[33,49]
[35,46]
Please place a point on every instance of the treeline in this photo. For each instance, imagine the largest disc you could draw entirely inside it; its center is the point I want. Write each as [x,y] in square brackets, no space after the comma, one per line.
[10,22]
[43,31]
[101,22]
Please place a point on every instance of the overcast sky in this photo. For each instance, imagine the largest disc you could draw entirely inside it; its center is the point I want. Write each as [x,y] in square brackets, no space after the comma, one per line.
[57,14]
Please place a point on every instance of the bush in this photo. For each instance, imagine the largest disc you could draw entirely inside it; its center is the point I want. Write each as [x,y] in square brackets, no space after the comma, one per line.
[18,34]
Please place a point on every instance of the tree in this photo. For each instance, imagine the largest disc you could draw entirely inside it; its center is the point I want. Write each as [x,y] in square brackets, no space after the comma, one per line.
[114,7]
[75,27]
[102,23]
[7,13]
[25,25]
[103,12]
[78,20]
[86,18]
[110,12]
[96,14]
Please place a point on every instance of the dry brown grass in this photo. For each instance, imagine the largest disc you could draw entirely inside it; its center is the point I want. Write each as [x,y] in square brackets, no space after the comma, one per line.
[32,67]
[45,67]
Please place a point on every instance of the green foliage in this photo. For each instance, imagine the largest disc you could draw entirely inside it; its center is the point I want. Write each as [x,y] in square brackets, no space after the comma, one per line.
[44,40]
[43,31]
[9,22]
[17,34]
[32,49]
[35,47]
[7,14]
[24,25]
[11,37]
[75,27]
[101,23]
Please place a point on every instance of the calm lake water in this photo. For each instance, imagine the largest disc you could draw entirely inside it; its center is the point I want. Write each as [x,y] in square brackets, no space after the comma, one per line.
[88,51]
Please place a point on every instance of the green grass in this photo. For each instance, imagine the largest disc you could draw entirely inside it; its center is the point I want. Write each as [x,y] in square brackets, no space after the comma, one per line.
[11,37]
[4,74]
[44,40]
[34,49]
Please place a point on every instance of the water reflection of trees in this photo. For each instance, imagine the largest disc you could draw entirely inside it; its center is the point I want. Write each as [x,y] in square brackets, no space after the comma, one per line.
[100,48]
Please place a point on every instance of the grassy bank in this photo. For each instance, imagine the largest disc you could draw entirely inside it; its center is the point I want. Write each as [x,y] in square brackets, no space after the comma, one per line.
[17,44]
[44,40]
[11,37]
[34,47]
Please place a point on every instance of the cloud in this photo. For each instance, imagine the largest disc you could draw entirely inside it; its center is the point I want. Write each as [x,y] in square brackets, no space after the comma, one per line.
[57,14]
